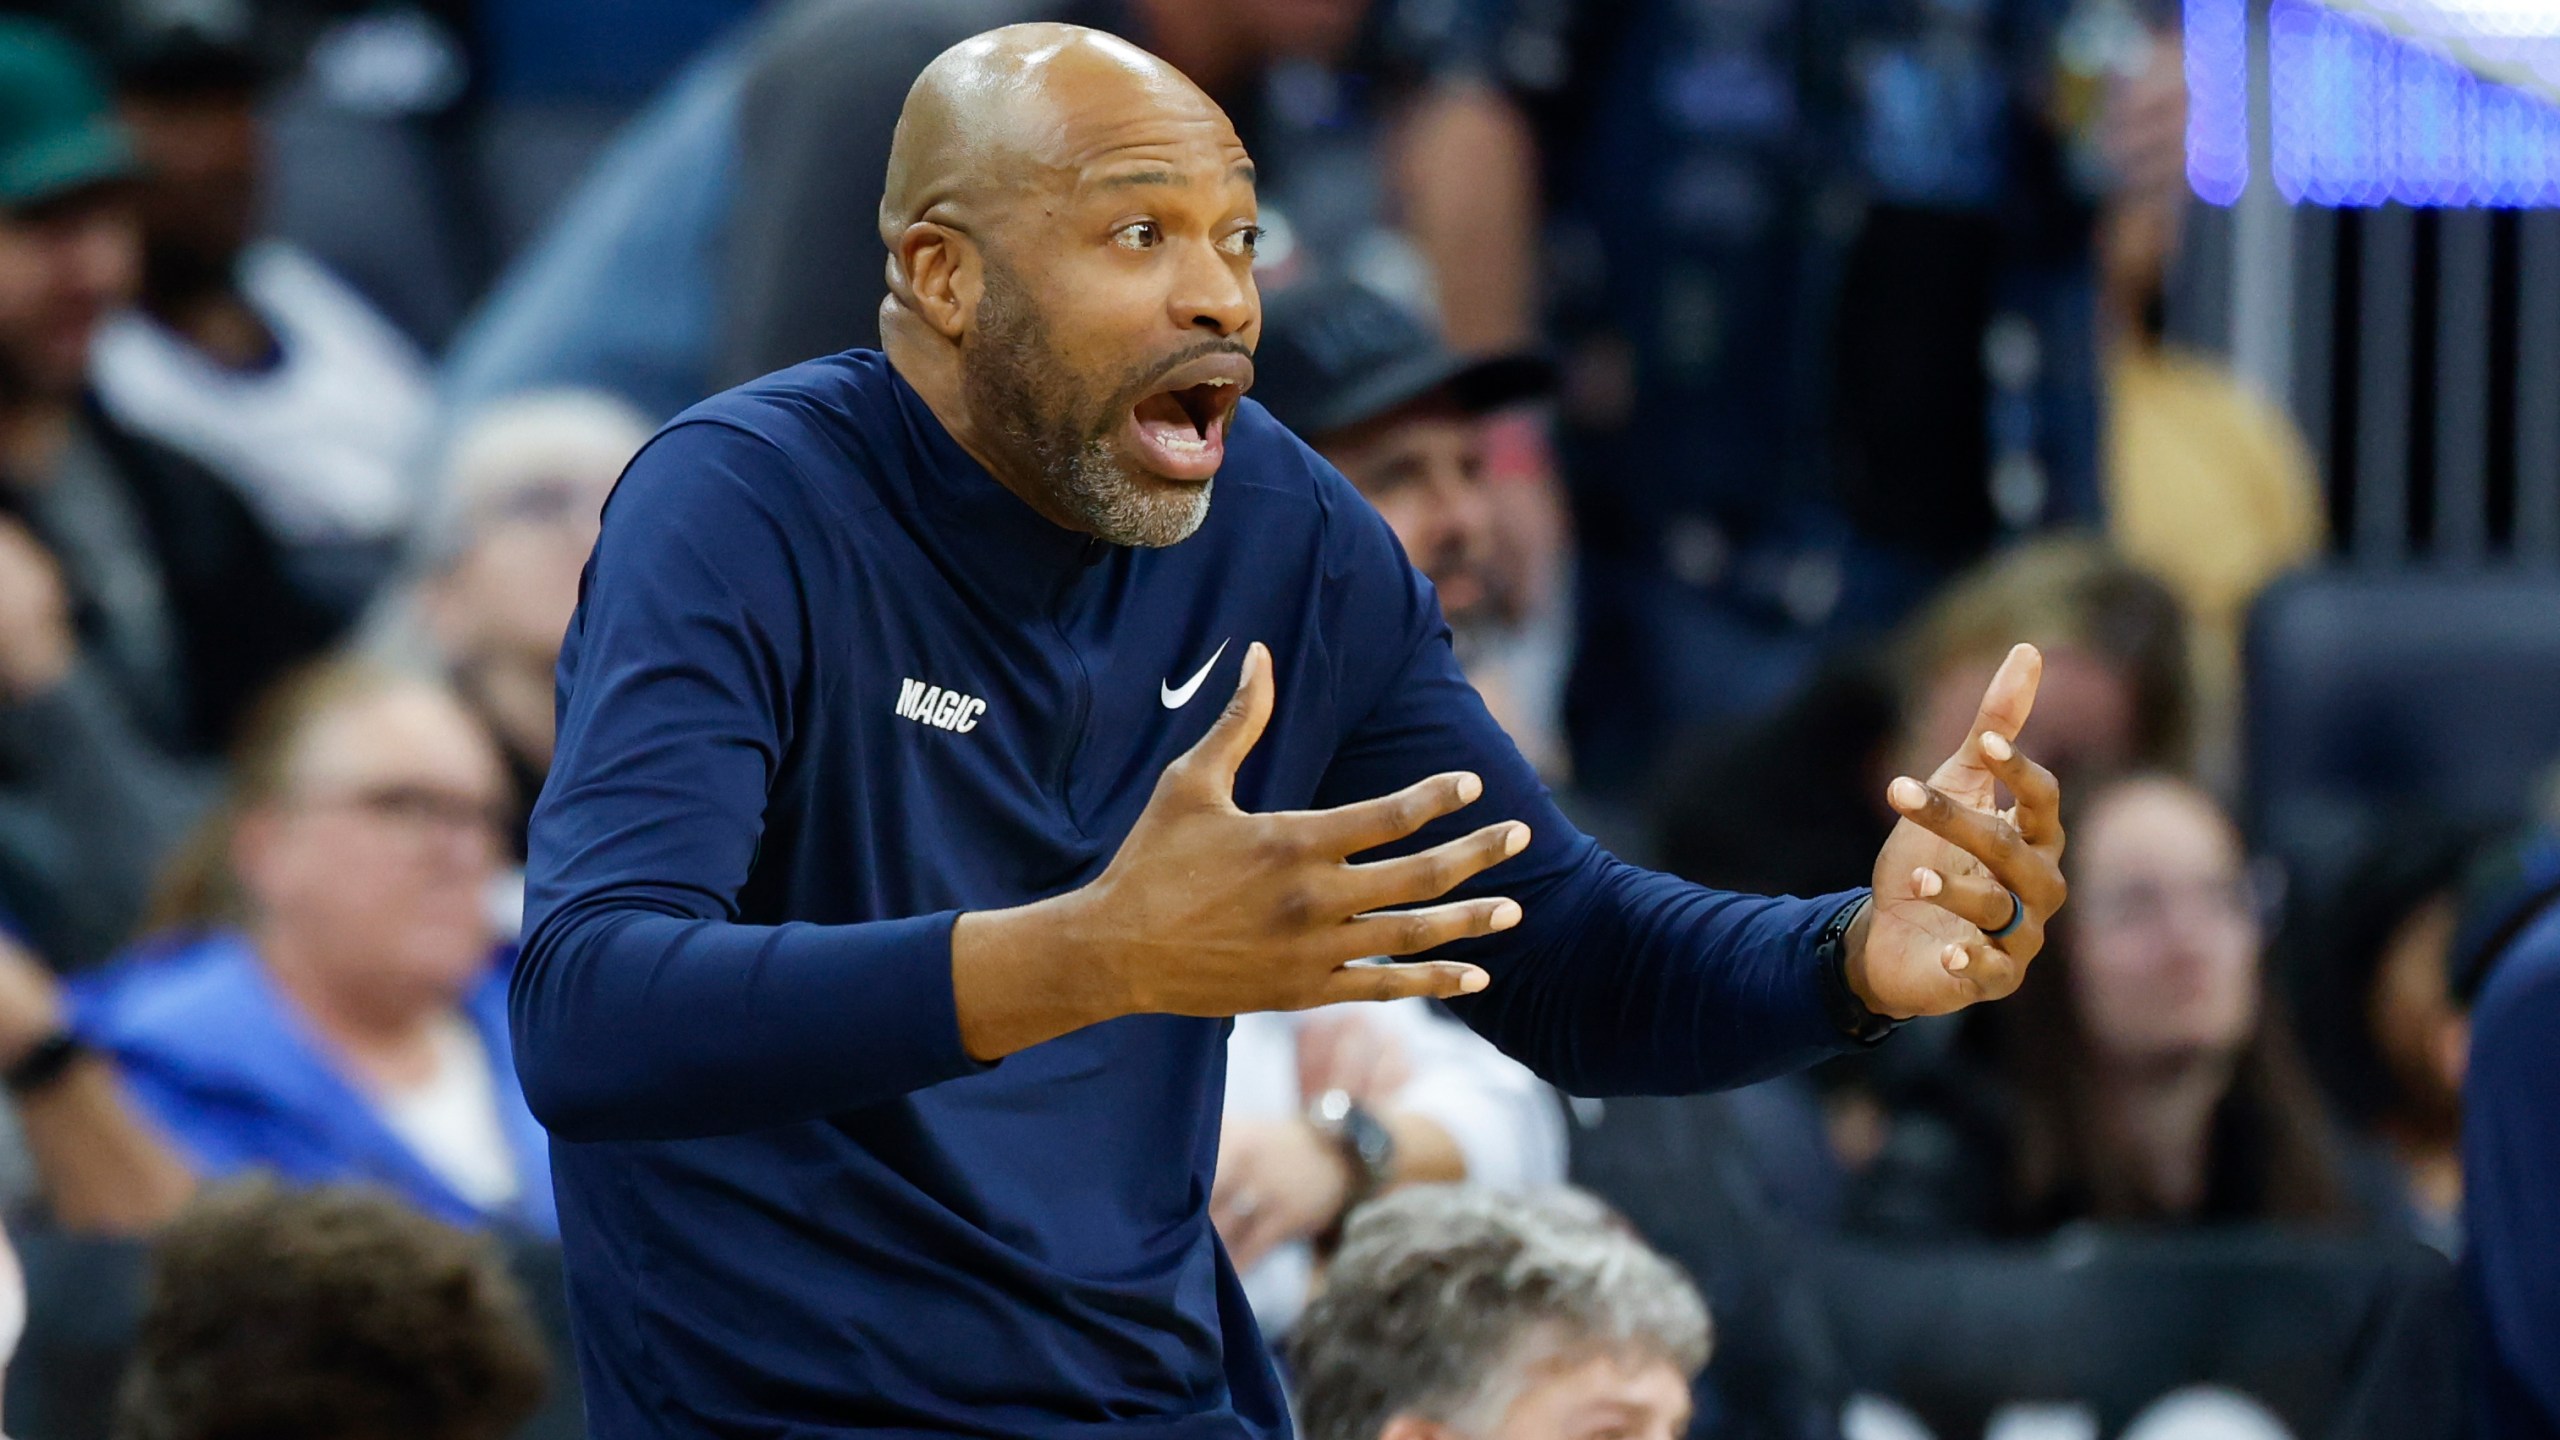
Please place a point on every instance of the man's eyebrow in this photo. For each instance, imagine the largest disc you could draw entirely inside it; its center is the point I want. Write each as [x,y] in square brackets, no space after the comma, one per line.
[1243,170]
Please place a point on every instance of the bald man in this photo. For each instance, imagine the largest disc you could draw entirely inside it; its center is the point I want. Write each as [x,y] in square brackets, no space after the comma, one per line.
[939,767]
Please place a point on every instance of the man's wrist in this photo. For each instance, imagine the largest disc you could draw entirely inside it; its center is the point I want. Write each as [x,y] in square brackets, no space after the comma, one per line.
[1840,957]
[1030,973]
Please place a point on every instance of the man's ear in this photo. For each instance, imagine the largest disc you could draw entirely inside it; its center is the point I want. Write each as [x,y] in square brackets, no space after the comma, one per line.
[941,268]
[1409,1426]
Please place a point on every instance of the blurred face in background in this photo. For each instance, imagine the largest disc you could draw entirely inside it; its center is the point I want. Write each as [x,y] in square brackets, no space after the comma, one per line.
[2084,723]
[1423,467]
[1600,1397]
[509,593]
[65,266]
[200,189]
[2162,927]
[371,871]
[1303,29]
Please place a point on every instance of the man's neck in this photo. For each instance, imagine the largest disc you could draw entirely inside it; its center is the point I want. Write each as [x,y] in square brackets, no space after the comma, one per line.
[387,1035]
[2158,1119]
[932,369]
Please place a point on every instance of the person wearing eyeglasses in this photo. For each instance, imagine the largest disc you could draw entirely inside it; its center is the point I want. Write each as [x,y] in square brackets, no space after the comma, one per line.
[2145,1073]
[327,998]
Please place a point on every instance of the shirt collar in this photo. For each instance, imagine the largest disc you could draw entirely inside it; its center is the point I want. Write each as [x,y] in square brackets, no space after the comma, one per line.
[987,532]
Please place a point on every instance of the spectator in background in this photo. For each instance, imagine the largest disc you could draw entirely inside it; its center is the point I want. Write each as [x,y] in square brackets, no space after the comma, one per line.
[518,497]
[2115,697]
[141,604]
[733,228]
[2369,971]
[248,355]
[2146,1076]
[1824,285]
[331,1002]
[327,1315]
[1327,1108]
[1364,380]
[2208,485]
[1452,1314]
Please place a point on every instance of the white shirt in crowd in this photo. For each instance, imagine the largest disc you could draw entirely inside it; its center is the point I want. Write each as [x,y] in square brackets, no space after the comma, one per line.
[452,1121]
[1503,1119]
[323,444]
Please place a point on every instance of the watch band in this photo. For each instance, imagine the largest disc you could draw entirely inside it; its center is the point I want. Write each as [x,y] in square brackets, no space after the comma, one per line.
[44,1064]
[1369,1145]
[1831,958]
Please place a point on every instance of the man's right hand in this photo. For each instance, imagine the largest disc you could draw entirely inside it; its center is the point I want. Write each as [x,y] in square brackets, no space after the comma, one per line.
[1208,910]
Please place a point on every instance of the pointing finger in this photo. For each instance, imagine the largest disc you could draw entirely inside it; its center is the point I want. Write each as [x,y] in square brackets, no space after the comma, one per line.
[1217,755]
[2011,696]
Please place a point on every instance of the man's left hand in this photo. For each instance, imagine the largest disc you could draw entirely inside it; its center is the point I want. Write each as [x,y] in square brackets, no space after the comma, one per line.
[1946,878]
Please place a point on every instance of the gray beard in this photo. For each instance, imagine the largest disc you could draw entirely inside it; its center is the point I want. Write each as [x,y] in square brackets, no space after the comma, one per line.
[1082,479]
[1122,508]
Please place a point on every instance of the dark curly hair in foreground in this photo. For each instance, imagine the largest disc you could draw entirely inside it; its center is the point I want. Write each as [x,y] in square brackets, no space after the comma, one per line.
[279,1314]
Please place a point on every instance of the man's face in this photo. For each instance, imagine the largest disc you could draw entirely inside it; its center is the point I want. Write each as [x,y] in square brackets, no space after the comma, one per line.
[1114,329]
[65,265]
[1423,467]
[200,156]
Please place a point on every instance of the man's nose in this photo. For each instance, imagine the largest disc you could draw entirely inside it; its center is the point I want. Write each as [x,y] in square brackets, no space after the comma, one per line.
[1213,295]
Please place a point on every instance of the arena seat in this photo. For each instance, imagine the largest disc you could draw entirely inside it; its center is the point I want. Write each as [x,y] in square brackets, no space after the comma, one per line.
[2336,1338]
[2371,693]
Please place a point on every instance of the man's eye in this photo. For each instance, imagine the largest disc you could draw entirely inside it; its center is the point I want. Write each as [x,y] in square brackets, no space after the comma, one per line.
[1139,235]
[1244,242]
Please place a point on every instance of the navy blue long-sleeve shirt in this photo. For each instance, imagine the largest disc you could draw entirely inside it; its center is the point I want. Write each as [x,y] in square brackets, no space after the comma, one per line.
[2511,1186]
[829,685]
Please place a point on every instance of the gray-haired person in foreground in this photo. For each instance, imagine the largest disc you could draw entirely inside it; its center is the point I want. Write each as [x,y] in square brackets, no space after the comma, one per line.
[1459,1314]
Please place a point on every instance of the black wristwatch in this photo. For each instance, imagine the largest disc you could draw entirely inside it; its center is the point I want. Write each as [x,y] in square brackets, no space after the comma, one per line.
[1368,1147]
[43,1064]
[1831,955]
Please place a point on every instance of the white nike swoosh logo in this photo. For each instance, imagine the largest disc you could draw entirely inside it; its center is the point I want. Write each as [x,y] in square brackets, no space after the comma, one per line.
[1176,699]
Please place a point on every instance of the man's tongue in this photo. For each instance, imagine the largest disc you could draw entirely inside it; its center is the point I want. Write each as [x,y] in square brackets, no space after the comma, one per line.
[1179,446]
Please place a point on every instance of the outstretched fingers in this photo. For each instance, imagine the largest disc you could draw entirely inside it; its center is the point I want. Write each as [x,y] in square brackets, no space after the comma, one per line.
[1402,979]
[1432,873]
[1384,819]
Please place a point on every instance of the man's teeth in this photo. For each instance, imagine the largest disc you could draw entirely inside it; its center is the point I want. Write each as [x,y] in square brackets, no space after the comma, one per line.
[1191,443]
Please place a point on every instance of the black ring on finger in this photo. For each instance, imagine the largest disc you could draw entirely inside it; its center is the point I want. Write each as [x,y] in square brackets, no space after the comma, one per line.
[2017,917]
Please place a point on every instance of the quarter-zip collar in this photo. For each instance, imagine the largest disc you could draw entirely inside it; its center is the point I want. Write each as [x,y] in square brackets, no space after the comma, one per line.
[982,531]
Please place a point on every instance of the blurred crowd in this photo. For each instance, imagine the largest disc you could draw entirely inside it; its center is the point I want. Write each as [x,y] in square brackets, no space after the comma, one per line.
[1746,375]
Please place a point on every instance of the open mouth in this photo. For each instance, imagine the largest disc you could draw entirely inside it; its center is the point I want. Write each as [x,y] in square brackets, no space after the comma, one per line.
[1182,428]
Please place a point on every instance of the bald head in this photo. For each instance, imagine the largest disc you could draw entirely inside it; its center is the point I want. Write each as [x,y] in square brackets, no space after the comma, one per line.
[1071,227]
[1004,115]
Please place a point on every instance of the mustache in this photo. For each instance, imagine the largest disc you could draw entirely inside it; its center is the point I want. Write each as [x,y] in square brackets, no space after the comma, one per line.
[1142,386]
